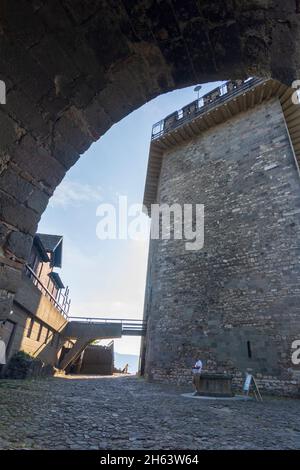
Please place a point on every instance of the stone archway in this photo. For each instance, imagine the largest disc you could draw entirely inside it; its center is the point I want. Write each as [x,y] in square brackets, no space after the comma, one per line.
[74,68]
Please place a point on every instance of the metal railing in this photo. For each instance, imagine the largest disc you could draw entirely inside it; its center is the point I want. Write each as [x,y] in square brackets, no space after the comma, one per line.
[63,307]
[214,98]
[128,324]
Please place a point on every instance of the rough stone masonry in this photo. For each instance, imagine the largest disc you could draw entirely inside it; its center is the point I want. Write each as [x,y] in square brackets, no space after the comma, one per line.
[74,68]
[235,303]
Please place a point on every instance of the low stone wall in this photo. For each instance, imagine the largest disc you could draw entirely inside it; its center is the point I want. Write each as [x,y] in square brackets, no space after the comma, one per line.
[268,385]
[23,366]
[272,386]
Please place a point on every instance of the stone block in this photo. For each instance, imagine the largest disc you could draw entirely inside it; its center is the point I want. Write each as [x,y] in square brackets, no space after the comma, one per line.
[97,118]
[72,127]
[38,162]
[8,132]
[4,230]
[6,303]
[17,215]
[12,183]
[26,112]
[19,244]
[10,278]
[64,152]
[38,201]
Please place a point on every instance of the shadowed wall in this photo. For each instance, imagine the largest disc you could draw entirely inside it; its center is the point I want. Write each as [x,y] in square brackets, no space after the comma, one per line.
[74,68]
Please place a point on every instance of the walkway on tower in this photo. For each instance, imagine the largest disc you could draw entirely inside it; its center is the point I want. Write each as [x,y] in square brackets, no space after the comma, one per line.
[84,330]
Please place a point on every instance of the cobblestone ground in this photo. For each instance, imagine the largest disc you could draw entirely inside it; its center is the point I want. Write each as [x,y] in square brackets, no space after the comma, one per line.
[128,413]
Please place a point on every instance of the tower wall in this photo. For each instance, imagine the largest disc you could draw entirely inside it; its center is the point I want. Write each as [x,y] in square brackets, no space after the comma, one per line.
[238,296]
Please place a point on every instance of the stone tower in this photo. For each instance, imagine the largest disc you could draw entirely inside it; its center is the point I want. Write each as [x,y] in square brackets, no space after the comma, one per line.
[236,302]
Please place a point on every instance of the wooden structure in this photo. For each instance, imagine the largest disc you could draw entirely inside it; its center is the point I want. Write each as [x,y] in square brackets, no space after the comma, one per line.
[213,385]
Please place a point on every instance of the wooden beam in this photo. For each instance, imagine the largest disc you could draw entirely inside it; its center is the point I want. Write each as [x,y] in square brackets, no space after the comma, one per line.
[261,94]
[269,89]
[281,90]
[292,111]
[177,137]
[293,129]
[185,134]
[226,108]
[191,130]
[286,99]
[195,127]
[244,102]
[293,122]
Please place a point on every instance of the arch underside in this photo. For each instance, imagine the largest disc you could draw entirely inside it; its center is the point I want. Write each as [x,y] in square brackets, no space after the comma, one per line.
[74,68]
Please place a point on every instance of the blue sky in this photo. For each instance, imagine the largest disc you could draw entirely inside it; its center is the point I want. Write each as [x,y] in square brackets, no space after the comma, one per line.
[107,277]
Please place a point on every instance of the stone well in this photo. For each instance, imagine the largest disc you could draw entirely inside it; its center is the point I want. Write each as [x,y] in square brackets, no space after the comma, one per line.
[213,385]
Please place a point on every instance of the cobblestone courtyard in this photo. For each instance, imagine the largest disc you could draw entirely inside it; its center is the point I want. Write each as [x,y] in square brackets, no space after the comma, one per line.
[128,413]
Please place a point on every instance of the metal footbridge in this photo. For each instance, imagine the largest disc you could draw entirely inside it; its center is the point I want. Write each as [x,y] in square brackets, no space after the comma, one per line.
[127,327]
[81,331]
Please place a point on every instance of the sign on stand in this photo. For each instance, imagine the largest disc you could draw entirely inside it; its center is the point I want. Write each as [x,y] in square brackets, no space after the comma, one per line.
[250,380]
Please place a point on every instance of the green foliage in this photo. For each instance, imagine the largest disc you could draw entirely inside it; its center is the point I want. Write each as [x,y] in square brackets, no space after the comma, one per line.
[19,365]
[22,356]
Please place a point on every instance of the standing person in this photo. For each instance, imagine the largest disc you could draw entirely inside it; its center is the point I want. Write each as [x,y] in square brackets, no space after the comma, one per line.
[2,346]
[197,372]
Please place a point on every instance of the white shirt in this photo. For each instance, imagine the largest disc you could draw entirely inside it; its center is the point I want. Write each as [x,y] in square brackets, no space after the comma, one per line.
[197,367]
[2,352]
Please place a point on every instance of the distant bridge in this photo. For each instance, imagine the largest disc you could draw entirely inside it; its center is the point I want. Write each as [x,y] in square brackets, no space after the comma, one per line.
[129,327]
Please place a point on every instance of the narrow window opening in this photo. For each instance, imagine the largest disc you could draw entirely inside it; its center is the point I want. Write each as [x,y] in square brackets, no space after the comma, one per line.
[39,332]
[249,349]
[29,331]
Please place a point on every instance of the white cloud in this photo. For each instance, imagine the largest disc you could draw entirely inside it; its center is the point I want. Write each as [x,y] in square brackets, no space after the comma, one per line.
[72,193]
